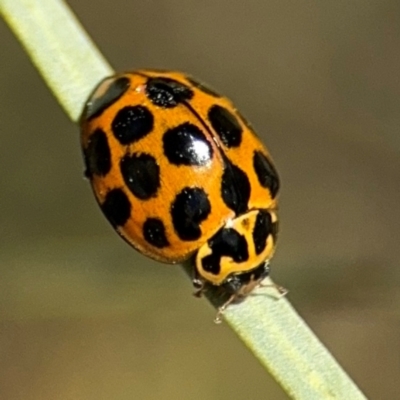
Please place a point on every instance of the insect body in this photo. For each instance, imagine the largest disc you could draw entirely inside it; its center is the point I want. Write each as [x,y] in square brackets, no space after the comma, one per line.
[181,175]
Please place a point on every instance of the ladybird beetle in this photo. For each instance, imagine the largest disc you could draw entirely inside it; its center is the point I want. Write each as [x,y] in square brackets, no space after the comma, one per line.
[180,175]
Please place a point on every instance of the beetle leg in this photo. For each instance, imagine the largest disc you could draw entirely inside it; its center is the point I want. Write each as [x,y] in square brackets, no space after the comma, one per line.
[282,291]
[221,310]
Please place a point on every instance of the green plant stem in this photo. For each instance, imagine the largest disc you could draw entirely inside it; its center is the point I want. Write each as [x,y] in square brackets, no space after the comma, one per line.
[61,50]
[71,65]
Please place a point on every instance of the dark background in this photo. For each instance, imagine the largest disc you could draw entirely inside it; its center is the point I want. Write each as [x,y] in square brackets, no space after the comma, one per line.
[83,316]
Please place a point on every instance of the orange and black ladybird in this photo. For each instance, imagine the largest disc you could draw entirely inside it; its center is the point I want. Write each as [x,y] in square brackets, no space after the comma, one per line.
[180,175]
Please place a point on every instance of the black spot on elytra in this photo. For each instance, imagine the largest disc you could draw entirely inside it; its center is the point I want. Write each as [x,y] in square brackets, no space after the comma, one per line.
[116,207]
[186,144]
[154,233]
[141,174]
[167,92]
[114,91]
[262,229]
[226,125]
[266,173]
[97,154]
[132,123]
[190,207]
[229,243]
[201,86]
[235,188]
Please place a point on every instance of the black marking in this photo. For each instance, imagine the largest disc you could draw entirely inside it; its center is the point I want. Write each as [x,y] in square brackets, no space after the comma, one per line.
[235,188]
[229,243]
[154,233]
[235,282]
[186,144]
[225,125]
[266,173]
[262,229]
[114,91]
[97,154]
[201,86]
[116,207]
[167,92]
[190,207]
[132,123]
[141,174]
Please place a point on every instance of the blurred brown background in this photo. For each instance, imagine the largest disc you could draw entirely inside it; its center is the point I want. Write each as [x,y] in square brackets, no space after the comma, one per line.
[83,316]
